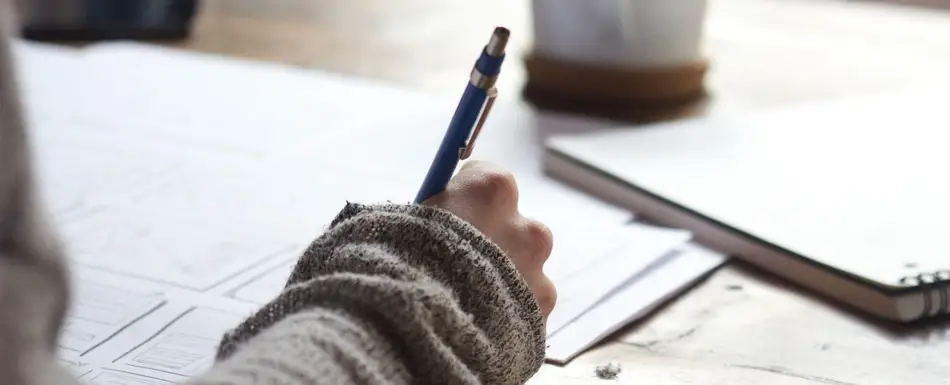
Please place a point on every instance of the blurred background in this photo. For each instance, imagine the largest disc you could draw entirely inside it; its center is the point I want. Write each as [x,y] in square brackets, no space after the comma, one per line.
[761,53]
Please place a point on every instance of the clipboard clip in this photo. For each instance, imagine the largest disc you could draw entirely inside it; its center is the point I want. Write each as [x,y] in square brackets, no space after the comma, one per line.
[466,151]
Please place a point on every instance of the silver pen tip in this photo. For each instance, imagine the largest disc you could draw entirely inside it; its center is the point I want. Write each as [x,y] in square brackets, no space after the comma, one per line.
[499,39]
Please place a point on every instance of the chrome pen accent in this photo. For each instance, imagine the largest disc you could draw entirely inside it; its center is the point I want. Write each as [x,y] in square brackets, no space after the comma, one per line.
[495,48]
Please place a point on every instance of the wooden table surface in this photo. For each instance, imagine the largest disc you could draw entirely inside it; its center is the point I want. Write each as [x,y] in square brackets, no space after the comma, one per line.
[739,326]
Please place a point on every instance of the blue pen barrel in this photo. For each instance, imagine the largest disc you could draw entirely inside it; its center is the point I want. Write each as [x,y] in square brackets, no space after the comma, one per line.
[447,157]
[467,114]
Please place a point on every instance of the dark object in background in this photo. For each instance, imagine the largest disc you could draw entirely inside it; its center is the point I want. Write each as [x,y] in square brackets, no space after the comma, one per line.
[90,20]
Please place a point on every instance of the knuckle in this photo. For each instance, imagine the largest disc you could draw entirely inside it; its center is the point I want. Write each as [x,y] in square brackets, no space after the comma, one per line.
[547,297]
[541,239]
[496,188]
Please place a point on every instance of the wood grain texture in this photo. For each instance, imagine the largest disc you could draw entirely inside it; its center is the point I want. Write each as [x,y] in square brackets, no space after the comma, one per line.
[739,326]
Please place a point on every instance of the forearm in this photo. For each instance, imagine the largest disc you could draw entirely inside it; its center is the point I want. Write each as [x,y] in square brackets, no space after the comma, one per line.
[393,294]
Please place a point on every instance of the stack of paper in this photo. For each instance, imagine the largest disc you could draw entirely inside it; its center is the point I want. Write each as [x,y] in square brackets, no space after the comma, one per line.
[187,185]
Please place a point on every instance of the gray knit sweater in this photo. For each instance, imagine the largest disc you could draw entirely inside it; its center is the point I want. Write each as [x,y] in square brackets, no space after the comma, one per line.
[390,294]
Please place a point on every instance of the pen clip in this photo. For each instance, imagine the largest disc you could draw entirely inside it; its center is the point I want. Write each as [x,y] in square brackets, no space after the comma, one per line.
[466,150]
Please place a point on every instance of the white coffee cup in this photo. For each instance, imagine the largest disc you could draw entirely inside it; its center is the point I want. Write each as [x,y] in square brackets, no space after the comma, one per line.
[625,33]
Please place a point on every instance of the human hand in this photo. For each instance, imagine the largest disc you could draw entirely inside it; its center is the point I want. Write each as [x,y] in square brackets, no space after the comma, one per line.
[486,196]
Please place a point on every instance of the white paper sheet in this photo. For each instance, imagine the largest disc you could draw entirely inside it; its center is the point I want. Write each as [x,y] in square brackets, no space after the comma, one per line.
[125,329]
[595,261]
[263,287]
[117,377]
[182,347]
[333,127]
[635,299]
[185,211]
[102,309]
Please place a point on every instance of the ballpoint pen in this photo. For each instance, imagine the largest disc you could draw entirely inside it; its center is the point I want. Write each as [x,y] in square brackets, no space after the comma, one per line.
[469,117]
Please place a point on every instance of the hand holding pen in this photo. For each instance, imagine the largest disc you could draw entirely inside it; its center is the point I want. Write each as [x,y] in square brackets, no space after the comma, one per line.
[483,194]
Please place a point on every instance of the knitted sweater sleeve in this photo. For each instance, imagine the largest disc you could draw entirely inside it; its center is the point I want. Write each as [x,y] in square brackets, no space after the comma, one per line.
[391,294]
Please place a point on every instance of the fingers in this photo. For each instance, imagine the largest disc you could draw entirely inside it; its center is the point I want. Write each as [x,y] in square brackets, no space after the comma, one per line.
[546,294]
[542,238]
[538,242]
[534,241]
[530,245]
[488,186]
